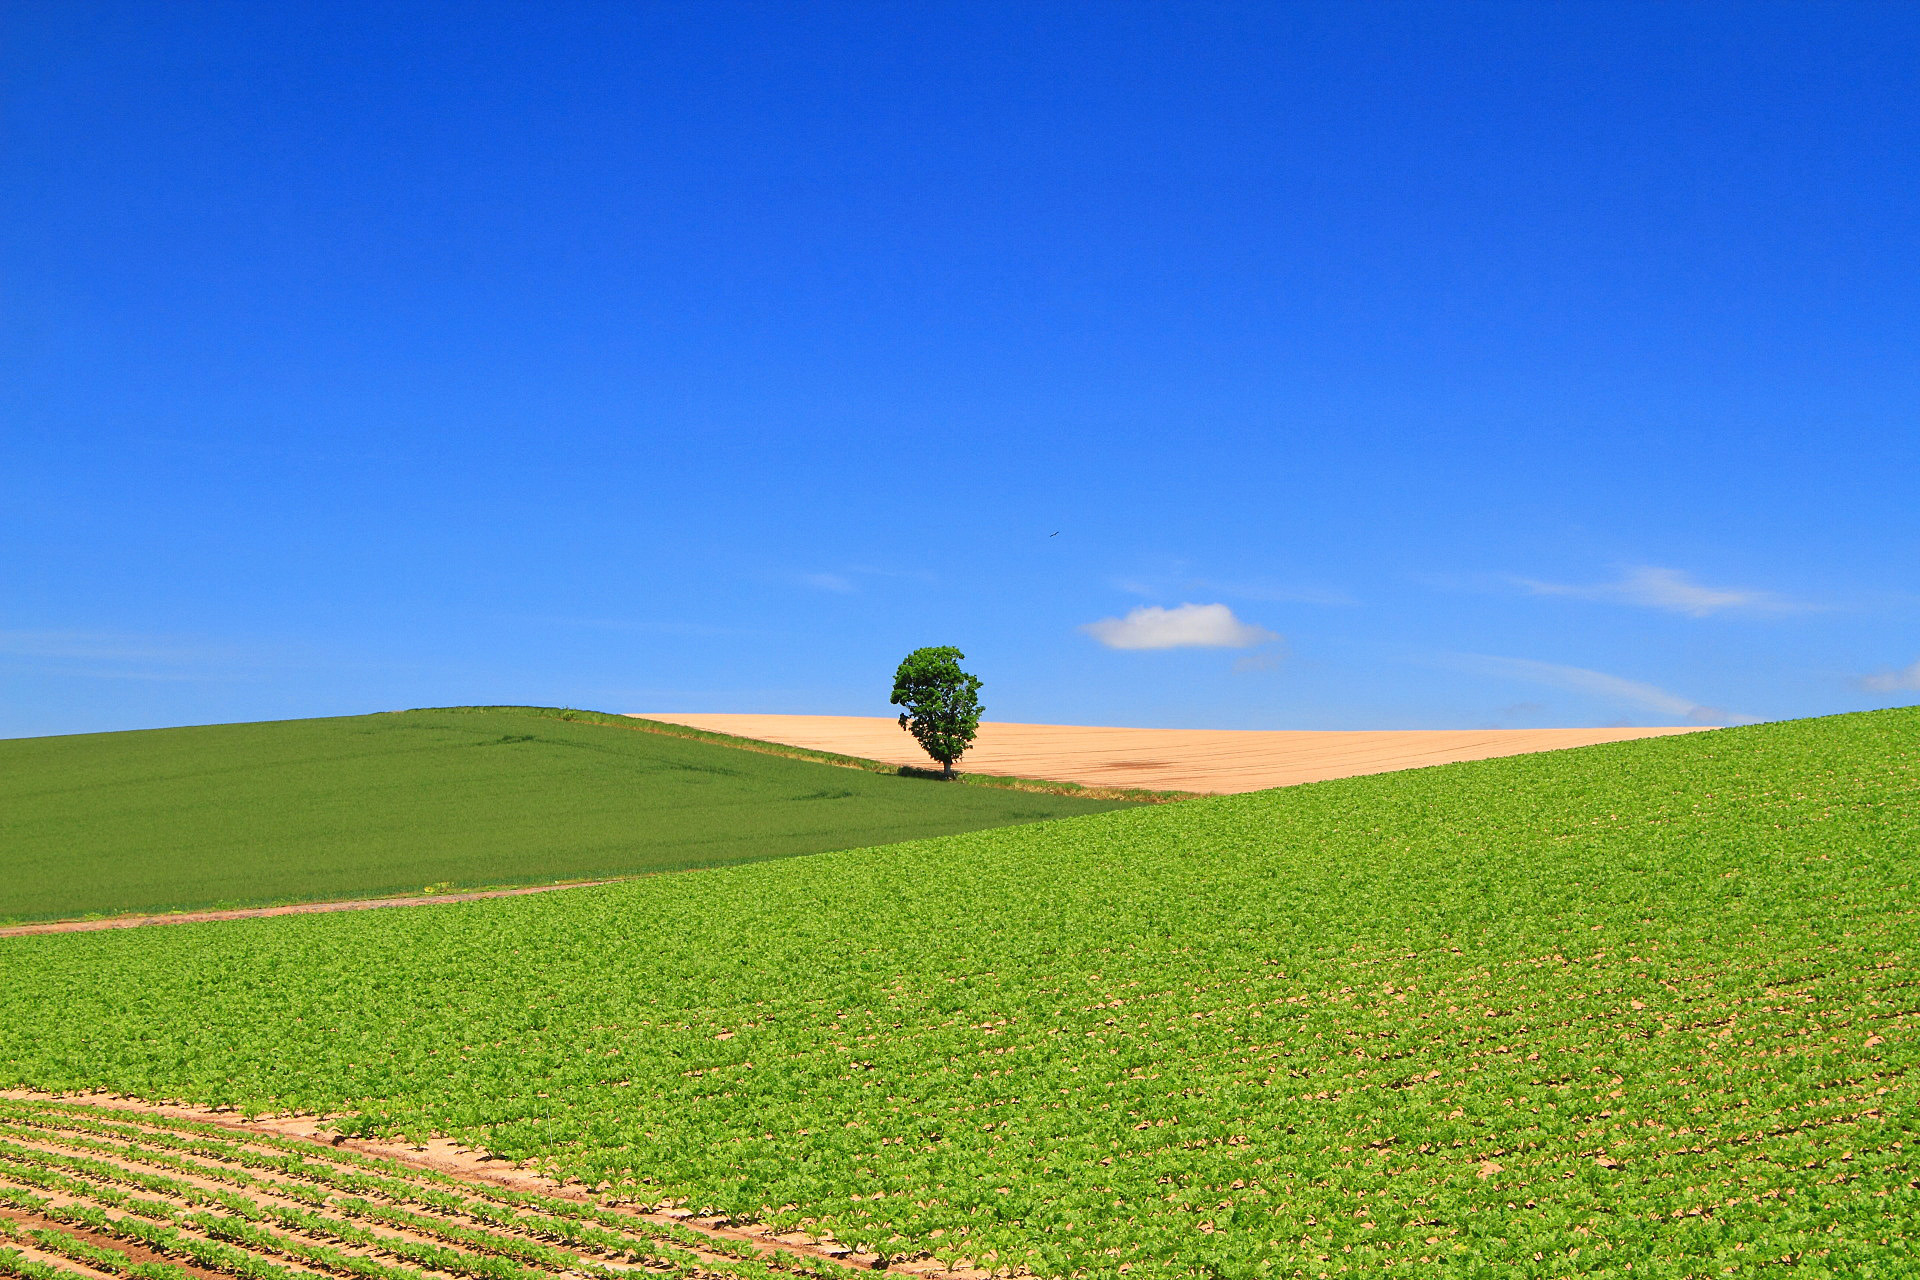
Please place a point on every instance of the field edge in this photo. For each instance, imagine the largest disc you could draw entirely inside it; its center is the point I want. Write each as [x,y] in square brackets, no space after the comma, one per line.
[666,728]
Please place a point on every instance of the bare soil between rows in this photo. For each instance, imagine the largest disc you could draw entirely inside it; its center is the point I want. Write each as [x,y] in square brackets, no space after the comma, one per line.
[309,1137]
[138,1253]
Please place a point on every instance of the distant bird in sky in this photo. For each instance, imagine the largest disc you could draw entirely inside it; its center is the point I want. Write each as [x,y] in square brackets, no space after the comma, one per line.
[1054,534]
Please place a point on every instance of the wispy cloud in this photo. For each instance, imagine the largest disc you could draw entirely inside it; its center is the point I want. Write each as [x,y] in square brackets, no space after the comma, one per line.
[646,626]
[96,646]
[113,656]
[1904,680]
[1672,590]
[826,582]
[1599,684]
[1189,626]
[848,579]
[1264,592]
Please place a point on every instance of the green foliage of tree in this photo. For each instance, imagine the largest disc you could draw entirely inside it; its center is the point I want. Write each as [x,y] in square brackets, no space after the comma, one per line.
[942,702]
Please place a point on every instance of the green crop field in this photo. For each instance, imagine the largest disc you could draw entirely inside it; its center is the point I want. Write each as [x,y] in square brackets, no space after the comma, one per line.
[238,814]
[102,1188]
[1642,1009]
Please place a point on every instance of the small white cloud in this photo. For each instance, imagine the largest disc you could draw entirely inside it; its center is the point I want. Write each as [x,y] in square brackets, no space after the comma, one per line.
[1671,590]
[1904,680]
[826,582]
[1190,626]
[1599,684]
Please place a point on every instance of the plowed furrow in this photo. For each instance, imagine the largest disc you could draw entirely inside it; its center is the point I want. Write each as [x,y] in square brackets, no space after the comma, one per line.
[197,1198]
[99,1252]
[219,1236]
[449,1220]
[25,1253]
[140,1224]
[432,1242]
[300,1215]
[28,1263]
[543,1219]
[299,1236]
[219,1214]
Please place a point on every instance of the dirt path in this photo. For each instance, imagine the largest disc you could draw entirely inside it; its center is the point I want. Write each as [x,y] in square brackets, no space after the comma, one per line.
[382,1202]
[291,909]
[1218,761]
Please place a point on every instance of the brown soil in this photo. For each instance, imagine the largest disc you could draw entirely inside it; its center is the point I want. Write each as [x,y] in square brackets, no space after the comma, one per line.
[291,909]
[28,1221]
[269,1189]
[1216,761]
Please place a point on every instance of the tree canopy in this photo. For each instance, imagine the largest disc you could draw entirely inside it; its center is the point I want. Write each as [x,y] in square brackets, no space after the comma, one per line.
[942,702]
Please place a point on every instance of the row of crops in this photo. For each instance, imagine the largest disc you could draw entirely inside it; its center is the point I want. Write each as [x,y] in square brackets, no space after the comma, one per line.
[1647,1008]
[90,1191]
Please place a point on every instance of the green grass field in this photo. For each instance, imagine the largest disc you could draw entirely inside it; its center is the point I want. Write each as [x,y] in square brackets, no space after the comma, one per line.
[231,815]
[1641,1009]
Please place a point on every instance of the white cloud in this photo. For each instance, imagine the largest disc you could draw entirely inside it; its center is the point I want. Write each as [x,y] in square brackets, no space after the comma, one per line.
[1190,626]
[1599,684]
[1906,679]
[1671,590]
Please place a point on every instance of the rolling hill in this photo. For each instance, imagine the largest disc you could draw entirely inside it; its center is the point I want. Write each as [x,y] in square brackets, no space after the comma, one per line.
[1638,1009]
[359,806]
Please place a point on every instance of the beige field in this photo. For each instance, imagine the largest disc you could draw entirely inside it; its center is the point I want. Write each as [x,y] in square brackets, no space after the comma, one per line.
[1215,761]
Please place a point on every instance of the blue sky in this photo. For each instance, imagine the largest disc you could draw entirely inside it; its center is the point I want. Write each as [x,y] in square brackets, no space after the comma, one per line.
[1244,366]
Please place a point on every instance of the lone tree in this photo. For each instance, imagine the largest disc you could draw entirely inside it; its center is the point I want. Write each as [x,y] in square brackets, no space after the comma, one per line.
[941,701]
